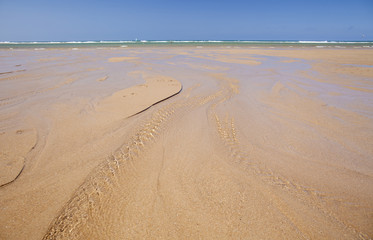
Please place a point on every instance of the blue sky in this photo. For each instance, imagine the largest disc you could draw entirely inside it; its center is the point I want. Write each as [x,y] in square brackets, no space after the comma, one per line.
[64,20]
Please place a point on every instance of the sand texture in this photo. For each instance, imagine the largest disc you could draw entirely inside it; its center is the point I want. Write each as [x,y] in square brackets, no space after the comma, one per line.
[186,143]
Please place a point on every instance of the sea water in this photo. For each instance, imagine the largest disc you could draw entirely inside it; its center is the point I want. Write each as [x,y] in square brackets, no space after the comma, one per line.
[39,45]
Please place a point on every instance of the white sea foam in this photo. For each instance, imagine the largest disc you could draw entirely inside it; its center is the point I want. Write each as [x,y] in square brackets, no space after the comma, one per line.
[113,41]
[249,42]
[336,42]
[313,41]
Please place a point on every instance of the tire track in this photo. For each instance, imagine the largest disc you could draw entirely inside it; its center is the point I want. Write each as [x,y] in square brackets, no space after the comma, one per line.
[227,132]
[308,196]
[95,189]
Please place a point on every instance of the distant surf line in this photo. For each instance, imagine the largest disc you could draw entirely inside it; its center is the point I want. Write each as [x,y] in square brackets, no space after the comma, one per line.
[125,43]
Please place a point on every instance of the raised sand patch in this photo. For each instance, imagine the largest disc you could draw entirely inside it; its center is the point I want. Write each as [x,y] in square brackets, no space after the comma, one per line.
[121,59]
[130,101]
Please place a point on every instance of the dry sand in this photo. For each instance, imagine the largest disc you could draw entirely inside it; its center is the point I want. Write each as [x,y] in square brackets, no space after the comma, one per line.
[259,144]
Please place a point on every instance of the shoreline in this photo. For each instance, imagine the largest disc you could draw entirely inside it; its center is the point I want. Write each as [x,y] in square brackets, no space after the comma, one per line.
[137,44]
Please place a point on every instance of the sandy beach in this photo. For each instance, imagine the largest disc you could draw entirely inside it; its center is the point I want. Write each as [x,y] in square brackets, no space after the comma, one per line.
[186,143]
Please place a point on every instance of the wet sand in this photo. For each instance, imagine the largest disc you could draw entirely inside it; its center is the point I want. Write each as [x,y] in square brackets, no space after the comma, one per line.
[186,143]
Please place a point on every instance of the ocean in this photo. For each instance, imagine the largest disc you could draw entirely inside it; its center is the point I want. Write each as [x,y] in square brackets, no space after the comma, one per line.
[39,45]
